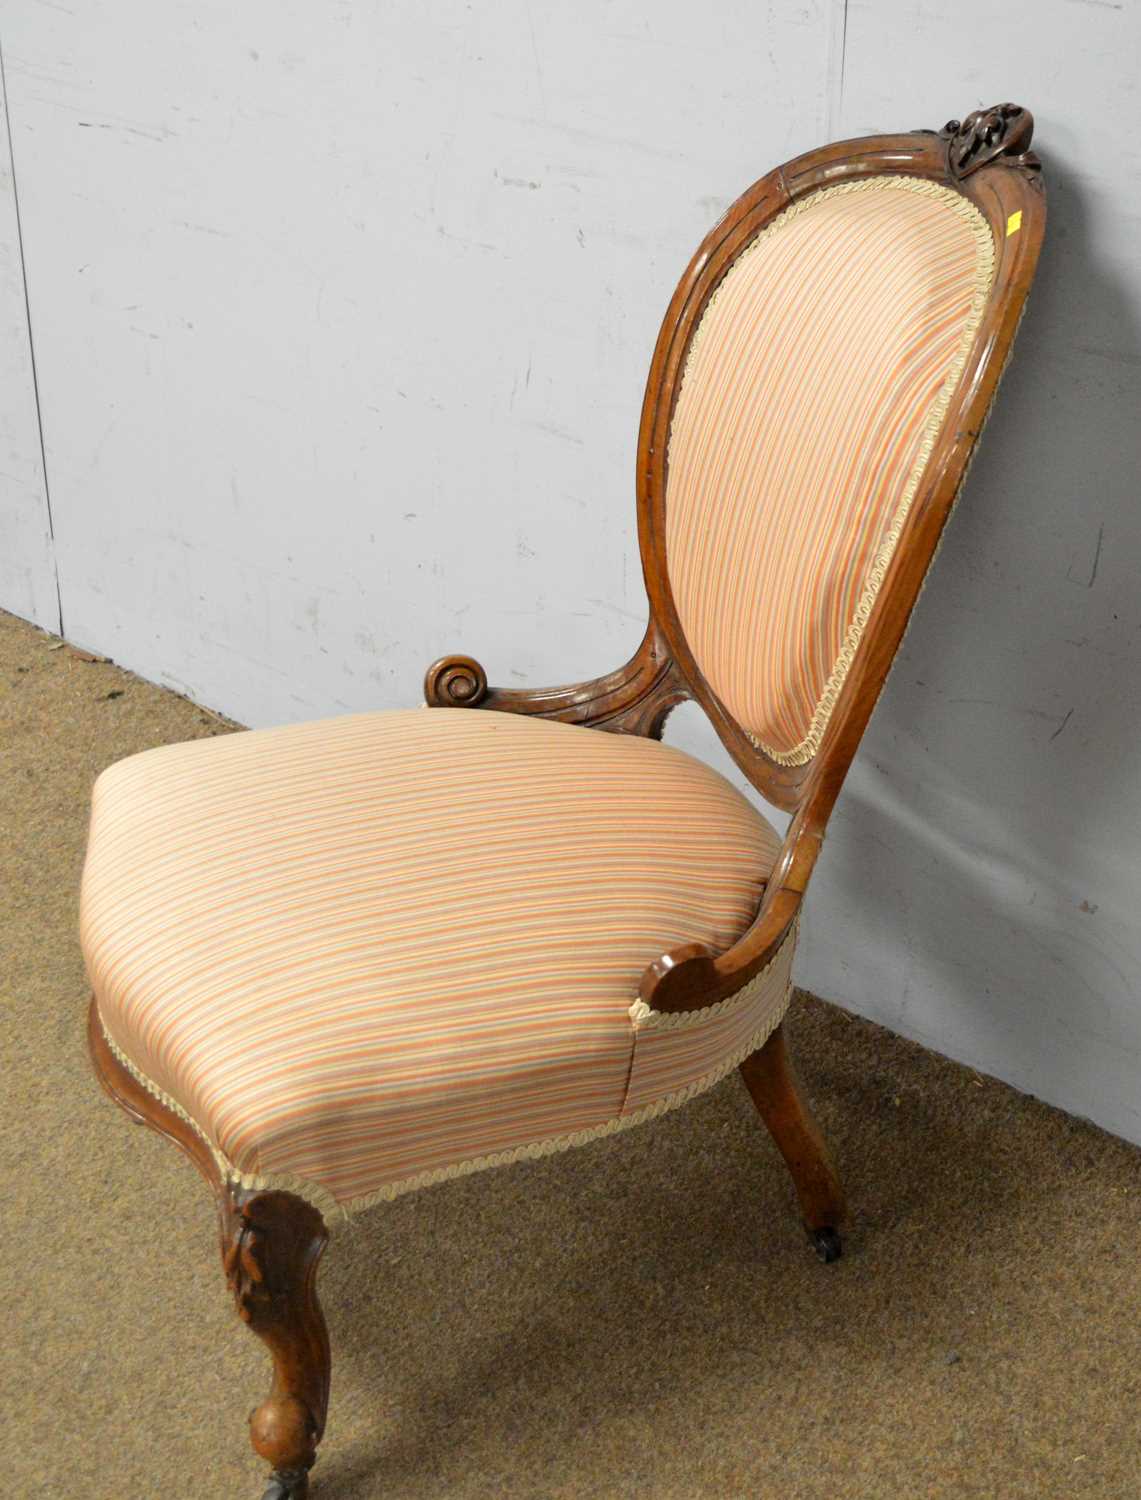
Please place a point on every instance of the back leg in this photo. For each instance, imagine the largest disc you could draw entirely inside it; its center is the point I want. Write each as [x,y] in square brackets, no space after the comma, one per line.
[772,1081]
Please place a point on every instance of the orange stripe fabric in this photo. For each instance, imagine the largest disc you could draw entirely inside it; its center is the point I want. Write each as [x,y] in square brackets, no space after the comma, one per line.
[814,387]
[362,950]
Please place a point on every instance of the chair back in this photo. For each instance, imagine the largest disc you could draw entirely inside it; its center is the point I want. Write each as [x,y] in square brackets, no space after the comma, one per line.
[819,382]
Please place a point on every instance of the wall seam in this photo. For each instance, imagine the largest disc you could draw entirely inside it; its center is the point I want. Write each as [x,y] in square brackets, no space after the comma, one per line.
[31,340]
[836,66]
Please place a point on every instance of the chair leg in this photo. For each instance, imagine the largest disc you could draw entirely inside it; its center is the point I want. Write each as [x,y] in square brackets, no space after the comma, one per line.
[271,1244]
[772,1081]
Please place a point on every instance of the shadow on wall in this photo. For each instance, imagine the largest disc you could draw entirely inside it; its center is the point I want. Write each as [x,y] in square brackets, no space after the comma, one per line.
[989,840]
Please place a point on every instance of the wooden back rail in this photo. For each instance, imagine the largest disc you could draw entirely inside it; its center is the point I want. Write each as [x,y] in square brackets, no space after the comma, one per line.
[987,159]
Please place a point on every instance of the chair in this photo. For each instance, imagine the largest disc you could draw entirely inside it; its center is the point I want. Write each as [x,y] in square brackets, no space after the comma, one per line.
[338,961]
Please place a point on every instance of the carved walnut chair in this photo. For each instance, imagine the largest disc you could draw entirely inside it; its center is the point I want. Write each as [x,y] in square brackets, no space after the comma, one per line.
[338,961]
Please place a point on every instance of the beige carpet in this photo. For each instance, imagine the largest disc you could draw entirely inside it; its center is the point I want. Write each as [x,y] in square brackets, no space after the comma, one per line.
[638,1318]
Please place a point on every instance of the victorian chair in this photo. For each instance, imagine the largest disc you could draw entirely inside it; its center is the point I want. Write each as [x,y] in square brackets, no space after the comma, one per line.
[338,961]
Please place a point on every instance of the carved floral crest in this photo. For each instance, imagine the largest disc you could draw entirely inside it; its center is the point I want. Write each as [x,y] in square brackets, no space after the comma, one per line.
[1003,130]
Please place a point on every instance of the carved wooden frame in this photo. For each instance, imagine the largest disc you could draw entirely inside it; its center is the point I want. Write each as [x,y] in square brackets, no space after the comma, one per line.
[272,1241]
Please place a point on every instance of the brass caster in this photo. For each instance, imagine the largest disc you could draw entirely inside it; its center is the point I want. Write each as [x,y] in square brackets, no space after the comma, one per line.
[288,1484]
[827,1244]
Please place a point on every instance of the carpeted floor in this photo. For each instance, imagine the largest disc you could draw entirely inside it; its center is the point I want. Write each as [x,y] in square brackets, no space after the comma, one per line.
[640,1318]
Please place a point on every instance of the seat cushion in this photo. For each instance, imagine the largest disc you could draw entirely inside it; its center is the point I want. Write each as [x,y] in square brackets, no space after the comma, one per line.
[369,952]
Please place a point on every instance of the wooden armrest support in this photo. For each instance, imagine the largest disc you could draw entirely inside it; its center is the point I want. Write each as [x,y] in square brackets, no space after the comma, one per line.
[693,976]
[635,699]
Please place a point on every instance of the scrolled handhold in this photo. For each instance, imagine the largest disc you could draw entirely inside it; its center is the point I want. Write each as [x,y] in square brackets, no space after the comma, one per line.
[455,682]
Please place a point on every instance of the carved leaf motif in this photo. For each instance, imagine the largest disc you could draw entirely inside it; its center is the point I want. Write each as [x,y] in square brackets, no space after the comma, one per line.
[242,1264]
[1004,130]
[271,1243]
[250,1243]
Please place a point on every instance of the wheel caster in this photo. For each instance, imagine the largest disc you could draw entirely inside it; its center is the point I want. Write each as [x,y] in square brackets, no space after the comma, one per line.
[288,1484]
[827,1244]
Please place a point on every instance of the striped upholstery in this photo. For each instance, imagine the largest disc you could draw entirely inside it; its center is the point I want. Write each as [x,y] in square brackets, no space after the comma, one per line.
[370,952]
[814,388]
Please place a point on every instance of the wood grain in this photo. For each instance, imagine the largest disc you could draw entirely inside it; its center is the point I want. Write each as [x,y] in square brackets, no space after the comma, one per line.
[775,1089]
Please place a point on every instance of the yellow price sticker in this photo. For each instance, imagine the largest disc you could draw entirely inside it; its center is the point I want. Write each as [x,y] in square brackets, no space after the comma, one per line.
[1014,223]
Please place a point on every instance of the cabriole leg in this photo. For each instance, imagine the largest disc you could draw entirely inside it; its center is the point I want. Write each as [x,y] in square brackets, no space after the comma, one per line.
[271,1244]
[772,1081]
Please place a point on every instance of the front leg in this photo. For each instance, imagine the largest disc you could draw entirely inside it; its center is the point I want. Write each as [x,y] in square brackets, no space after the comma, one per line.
[271,1244]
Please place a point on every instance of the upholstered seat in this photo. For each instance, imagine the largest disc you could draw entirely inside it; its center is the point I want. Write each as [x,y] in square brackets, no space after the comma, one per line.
[365,953]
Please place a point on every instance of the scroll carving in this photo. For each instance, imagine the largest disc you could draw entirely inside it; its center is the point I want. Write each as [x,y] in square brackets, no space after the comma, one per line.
[1004,130]
[455,682]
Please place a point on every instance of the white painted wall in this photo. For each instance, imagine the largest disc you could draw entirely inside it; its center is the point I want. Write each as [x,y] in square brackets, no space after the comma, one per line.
[997,799]
[341,316]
